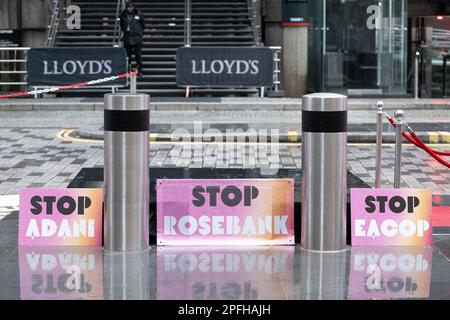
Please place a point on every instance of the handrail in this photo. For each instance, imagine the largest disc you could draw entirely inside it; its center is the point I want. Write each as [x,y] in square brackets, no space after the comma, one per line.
[254,11]
[16,66]
[187,23]
[116,37]
[54,22]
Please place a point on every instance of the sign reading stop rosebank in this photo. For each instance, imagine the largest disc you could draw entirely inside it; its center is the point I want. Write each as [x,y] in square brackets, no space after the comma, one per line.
[391,217]
[225,211]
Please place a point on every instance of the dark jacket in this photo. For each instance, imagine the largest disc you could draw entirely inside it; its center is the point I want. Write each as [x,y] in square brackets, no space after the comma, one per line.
[132,26]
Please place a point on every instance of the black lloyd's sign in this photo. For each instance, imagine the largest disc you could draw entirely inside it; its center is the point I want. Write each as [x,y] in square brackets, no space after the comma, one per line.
[224,67]
[65,66]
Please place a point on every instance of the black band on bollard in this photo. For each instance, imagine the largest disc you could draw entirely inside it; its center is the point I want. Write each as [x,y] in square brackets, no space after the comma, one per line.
[127,121]
[325,122]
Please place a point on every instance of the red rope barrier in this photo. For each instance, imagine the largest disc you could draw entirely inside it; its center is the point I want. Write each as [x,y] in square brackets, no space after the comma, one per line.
[414,139]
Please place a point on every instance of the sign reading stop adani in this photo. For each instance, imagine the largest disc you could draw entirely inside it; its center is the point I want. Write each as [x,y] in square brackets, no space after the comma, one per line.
[391,217]
[63,217]
[225,212]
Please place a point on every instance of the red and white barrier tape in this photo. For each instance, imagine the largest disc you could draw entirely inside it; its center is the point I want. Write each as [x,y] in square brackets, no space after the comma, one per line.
[71,86]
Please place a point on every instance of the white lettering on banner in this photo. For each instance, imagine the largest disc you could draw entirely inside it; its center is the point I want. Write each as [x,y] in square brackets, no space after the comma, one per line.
[390,228]
[391,262]
[49,262]
[225,262]
[225,66]
[230,225]
[70,67]
[49,228]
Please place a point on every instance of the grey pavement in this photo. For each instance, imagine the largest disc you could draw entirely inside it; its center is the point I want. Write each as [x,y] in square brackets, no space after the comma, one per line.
[229,104]
[37,157]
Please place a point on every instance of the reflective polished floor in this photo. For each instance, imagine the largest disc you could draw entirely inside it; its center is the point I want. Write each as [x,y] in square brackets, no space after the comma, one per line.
[248,273]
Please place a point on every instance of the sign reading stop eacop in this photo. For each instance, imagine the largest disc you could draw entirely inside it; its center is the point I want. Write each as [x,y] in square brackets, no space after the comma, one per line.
[391,217]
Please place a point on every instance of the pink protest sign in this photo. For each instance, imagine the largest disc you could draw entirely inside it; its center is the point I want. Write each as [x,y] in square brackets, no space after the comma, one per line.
[231,273]
[220,211]
[390,272]
[60,273]
[64,217]
[391,217]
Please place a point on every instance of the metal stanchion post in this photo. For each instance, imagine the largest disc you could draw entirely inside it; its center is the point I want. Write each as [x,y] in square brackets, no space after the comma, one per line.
[380,106]
[398,148]
[416,75]
[133,84]
[324,172]
[126,172]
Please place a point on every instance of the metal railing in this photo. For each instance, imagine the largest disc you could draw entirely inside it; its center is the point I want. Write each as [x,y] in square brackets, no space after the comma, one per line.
[187,23]
[15,72]
[254,10]
[276,68]
[116,38]
[54,24]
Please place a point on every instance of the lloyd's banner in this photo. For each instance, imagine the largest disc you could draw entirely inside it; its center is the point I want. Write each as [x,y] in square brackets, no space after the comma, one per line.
[225,67]
[65,66]
[60,217]
[391,217]
[222,211]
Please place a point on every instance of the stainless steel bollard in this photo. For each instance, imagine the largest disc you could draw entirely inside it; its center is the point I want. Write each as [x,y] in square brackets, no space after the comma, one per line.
[322,275]
[398,148]
[126,172]
[324,167]
[128,275]
[380,106]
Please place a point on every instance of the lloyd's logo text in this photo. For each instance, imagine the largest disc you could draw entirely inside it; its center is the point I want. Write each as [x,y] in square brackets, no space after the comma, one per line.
[60,216]
[391,217]
[234,67]
[219,210]
[70,67]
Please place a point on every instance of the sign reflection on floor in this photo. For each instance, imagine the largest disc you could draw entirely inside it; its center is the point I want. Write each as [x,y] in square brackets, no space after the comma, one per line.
[390,272]
[56,273]
[210,273]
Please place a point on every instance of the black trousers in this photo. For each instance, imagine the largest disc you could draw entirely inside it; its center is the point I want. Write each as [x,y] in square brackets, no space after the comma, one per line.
[137,51]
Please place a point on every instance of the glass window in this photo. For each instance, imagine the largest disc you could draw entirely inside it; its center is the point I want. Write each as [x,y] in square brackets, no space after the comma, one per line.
[363,46]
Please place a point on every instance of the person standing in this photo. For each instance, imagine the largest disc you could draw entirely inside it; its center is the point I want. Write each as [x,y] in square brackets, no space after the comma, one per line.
[133,25]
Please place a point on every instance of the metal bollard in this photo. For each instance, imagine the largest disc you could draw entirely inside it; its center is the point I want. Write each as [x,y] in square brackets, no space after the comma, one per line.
[416,75]
[324,166]
[126,172]
[398,148]
[380,106]
[126,275]
[322,275]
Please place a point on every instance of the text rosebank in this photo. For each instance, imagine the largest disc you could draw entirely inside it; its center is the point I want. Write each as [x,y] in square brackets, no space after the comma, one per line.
[389,227]
[65,205]
[209,224]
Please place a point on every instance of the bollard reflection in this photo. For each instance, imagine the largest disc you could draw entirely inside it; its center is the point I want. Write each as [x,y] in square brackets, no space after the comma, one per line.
[320,275]
[127,275]
[216,273]
[60,273]
[390,272]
